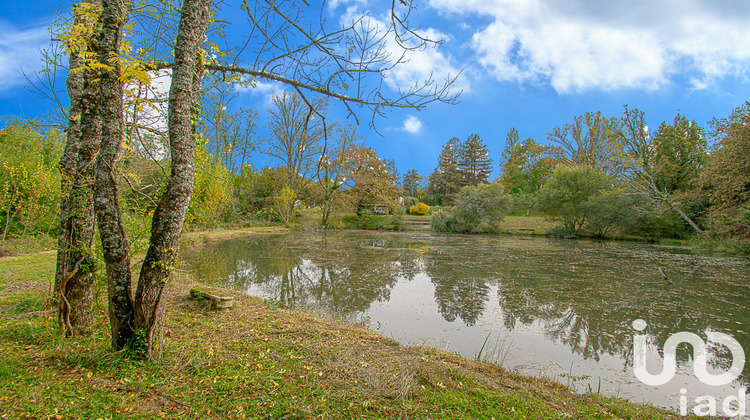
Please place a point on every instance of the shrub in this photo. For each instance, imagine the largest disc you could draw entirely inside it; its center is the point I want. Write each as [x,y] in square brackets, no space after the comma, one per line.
[608,211]
[735,223]
[420,209]
[212,192]
[29,181]
[394,223]
[371,222]
[478,209]
[442,222]
[568,196]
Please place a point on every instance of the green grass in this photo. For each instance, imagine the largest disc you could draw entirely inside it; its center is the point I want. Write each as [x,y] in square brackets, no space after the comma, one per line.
[27,245]
[525,225]
[252,361]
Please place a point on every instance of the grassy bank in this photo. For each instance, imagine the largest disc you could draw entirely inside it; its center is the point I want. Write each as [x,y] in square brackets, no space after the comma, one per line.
[526,225]
[252,361]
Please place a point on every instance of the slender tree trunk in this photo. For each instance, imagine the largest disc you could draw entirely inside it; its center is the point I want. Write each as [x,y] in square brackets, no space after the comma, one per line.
[326,211]
[685,217]
[8,215]
[646,187]
[106,202]
[659,195]
[75,262]
[169,215]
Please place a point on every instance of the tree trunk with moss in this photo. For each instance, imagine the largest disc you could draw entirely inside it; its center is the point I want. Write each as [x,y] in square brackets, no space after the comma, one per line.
[74,276]
[169,216]
[115,247]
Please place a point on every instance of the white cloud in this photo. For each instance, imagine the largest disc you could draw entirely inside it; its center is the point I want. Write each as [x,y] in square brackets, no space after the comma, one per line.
[412,125]
[19,49]
[424,64]
[268,90]
[333,4]
[607,44]
[417,66]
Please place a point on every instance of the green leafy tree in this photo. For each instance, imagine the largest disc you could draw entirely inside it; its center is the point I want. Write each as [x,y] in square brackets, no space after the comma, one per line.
[590,140]
[679,155]
[525,167]
[284,204]
[511,166]
[728,174]
[480,208]
[255,189]
[610,210]
[567,197]
[474,161]
[659,167]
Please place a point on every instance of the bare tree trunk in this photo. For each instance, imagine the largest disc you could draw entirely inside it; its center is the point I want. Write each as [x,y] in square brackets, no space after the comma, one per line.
[106,202]
[169,215]
[75,262]
[656,193]
[685,217]
[327,205]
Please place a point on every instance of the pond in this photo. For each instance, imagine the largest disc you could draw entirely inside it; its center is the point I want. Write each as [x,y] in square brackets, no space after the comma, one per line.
[561,309]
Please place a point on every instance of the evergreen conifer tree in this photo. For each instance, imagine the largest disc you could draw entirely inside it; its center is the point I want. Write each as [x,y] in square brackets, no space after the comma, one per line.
[474,162]
[447,179]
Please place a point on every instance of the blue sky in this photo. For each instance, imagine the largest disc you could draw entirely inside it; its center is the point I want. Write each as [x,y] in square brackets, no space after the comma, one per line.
[528,64]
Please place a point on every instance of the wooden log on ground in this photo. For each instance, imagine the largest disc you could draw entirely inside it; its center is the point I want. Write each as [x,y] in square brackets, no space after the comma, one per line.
[217,301]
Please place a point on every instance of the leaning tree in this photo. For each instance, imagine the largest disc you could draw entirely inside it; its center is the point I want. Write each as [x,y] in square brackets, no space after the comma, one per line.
[641,166]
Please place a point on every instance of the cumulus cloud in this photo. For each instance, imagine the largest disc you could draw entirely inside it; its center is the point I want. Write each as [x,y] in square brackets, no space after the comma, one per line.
[19,49]
[268,90]
[417,66]
[607,44]
[424,64]
[412,125]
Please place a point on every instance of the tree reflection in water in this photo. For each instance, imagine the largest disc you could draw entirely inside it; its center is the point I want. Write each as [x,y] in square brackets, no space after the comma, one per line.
[582,294]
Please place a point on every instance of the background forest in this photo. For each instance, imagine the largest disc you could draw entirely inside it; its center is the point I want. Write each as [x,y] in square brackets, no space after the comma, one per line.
[595,176]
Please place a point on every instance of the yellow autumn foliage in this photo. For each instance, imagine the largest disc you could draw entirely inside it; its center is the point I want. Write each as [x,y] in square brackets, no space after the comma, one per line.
[420,209]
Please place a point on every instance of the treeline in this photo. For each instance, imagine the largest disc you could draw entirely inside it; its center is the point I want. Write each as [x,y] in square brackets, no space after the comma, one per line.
[596,176]
[603,175]
[325,166]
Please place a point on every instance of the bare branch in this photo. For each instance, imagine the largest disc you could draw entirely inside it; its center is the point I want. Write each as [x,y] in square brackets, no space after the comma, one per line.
[401,102]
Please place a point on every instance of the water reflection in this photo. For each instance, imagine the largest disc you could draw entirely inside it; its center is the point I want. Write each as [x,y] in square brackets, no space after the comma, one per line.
[581,295]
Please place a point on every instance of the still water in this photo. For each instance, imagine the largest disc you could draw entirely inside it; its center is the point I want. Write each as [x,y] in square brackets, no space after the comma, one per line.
[560,309]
